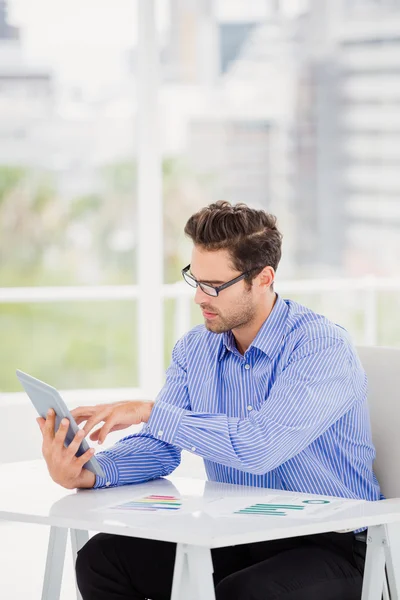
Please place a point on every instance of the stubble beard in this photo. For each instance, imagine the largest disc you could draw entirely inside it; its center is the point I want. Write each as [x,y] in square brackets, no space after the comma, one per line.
[236,321]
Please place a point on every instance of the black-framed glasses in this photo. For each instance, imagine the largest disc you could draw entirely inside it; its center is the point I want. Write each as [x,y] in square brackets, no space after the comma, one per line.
[212,290]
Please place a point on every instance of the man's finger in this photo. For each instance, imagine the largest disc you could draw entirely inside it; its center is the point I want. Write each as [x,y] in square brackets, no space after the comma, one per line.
[80,420]
[94,420]
[95,435]
[61,434]
[76,442]
[105,430]
[81,460]
[48,428]
[41,422]
[82,412]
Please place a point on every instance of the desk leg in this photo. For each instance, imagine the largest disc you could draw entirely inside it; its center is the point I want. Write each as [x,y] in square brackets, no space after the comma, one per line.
[201,572]
[193,574]
[374,572]
[392,552]
[79,538]
[54,563]
[180,582]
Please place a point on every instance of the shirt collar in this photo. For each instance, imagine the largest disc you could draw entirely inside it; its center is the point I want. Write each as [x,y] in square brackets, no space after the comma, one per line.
[269,338]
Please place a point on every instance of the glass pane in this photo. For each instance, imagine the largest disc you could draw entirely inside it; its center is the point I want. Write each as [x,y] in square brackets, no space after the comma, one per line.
[254,110]
[74,345]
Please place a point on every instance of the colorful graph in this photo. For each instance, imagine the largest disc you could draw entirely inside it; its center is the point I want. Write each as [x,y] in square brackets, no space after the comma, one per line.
[277,510]
[151,503]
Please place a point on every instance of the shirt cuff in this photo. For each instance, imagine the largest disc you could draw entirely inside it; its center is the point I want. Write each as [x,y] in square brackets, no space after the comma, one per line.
[164,421]
[110,469]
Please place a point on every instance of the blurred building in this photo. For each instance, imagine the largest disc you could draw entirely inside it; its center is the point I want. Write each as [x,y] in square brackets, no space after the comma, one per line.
[297,115]
[369,62]
[45,127]
[348,137]
[232,37]
[241,140]
[7,31]
[190,55]
[234,154]
[302,120]
[26,96]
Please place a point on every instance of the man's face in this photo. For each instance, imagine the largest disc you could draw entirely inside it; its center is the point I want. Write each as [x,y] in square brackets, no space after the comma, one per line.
[235,306]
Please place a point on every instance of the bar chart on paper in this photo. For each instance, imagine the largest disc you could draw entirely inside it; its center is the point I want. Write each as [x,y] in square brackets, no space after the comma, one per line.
[151,503]
[278,506]
[278,510]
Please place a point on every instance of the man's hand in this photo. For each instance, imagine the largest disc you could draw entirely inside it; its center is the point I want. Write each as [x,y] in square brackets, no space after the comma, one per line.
[64,467]
[115,416]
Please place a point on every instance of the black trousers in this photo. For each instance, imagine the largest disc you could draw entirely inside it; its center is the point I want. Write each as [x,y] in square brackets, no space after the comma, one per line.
[318,567]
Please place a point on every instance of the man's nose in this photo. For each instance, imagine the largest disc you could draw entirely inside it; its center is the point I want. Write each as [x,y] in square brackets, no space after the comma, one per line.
[200,297]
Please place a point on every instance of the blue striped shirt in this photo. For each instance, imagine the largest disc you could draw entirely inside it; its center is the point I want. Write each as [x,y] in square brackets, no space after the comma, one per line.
[290,414]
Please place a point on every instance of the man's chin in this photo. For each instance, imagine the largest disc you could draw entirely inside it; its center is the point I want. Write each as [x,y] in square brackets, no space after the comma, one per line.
[214,327]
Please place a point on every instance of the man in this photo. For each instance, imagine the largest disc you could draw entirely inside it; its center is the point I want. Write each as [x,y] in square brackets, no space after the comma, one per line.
[269,393]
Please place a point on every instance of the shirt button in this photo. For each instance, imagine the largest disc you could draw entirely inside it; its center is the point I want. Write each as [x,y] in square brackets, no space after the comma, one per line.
[249,407]
[160,433]
[246,366]
[193,448]
[108,483]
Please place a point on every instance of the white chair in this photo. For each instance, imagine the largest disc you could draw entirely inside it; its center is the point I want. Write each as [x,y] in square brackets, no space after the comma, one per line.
[382,366]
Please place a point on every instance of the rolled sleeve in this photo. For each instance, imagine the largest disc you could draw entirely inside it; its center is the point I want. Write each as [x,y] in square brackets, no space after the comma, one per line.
[110,469]
[165,420]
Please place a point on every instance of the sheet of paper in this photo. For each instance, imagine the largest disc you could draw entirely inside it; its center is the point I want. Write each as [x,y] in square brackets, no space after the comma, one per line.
[271,505]
[157,503]
[278,506]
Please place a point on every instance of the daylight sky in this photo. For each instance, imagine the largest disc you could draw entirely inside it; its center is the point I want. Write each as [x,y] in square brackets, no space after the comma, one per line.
[80,39]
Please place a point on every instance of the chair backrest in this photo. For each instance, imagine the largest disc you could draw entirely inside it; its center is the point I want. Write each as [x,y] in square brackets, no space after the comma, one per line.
[382,366]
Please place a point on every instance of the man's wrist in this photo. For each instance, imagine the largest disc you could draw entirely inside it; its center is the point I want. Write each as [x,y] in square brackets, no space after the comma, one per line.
[146,411]
[86,480]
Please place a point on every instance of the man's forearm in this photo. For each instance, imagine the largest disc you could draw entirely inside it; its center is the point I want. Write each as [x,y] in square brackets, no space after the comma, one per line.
[135,459]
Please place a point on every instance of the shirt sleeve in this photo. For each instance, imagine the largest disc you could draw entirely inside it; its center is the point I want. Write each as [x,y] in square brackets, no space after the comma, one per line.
[141,457]
[315,389]
[135,459]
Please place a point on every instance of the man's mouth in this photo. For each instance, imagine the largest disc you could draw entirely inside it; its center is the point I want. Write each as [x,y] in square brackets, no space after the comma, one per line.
[209,315]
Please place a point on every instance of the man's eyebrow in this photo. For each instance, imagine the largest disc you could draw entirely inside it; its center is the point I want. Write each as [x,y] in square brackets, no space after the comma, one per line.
[210,281]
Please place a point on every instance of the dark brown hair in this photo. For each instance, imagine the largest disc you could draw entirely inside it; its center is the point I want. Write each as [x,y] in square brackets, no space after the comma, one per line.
[251,236]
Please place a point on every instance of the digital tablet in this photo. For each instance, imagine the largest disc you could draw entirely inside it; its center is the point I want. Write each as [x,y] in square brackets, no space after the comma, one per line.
[44,397]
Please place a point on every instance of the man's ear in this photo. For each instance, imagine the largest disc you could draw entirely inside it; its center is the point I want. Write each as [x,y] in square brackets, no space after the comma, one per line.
[266,278]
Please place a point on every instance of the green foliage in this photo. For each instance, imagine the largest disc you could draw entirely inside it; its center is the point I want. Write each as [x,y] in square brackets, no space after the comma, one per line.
[74,345]
[120,177]
[84,206]
[48,239]
[10,177]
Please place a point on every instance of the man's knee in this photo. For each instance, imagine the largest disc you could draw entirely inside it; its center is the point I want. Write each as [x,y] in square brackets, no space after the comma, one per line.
[233,587]
[84,558]
[89,555]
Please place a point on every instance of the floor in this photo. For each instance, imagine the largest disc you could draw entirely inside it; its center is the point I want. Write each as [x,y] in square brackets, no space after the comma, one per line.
[22,558]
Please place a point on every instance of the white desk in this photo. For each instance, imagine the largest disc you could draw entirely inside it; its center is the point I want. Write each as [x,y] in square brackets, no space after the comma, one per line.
[28,495]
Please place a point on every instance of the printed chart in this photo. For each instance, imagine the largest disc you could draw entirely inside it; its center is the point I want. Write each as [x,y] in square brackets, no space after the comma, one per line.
[298,507]
[279,510]
[278,506]
[151,503]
